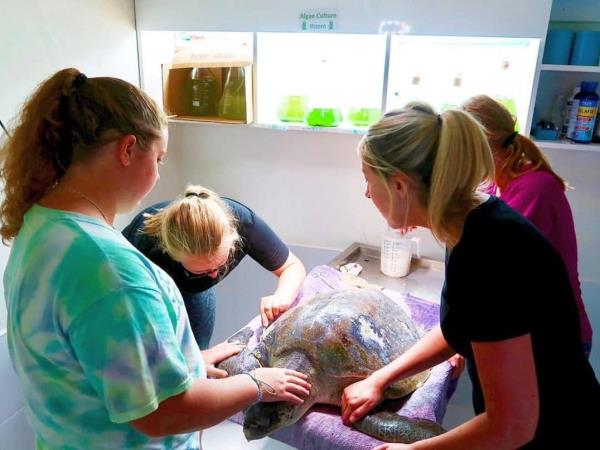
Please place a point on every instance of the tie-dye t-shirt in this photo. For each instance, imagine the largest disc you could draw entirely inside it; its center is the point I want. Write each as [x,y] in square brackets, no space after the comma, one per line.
[97,334]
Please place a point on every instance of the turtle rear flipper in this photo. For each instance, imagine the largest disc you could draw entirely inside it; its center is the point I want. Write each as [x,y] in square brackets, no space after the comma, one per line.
[391,427]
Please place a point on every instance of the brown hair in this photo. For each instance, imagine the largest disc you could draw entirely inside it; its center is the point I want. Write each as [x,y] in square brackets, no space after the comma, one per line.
[448,154]
[196,224]
[65,120]
[518,152]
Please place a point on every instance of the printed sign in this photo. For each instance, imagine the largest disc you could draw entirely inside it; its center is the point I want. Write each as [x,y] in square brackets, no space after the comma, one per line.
[318,20]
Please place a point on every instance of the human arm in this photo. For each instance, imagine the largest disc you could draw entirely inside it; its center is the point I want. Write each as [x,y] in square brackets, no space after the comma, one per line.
[359,398]
[507,373]
[291,275]
[266,248]
[208,402]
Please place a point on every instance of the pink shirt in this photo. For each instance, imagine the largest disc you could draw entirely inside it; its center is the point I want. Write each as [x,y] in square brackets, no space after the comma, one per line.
[540,197]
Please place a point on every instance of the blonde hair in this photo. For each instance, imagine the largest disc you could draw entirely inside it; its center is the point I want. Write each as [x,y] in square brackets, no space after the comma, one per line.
[196,224]
[447,154]
[65,120]
[516,151]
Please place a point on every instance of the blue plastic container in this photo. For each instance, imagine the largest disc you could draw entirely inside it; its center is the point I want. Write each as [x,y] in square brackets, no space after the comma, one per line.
[558,47]
[586,48]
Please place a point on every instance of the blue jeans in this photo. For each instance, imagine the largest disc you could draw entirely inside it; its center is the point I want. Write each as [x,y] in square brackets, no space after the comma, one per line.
[201,309]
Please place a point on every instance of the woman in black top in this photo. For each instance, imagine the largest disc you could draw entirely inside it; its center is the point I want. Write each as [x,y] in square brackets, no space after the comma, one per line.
[507,305]
[199,239]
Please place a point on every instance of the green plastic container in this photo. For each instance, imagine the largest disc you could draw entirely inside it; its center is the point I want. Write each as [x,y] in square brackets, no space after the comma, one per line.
[324,117]
[363,117]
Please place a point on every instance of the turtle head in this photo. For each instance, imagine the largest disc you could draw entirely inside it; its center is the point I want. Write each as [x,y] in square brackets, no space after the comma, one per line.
[262,419]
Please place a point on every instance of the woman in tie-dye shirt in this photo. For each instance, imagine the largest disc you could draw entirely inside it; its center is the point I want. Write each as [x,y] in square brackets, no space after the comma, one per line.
[98,335]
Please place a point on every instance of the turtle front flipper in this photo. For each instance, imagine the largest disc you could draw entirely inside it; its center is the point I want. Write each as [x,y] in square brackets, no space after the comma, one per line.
[391,427]
[261,419]
[244,361]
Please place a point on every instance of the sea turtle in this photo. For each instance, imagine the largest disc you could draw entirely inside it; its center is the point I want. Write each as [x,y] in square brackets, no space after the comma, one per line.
[337,338]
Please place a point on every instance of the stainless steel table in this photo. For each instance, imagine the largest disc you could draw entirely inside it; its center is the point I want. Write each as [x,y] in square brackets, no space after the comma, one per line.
[425,279]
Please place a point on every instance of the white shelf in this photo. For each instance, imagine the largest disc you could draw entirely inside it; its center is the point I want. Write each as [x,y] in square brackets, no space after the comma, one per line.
[568,145]
[341,129]
[567,68]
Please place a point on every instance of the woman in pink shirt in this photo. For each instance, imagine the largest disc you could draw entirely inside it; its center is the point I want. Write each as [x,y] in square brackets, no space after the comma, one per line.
[525,180]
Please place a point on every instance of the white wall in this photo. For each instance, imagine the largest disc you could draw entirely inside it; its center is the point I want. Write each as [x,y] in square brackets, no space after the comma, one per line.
[307,185]
[38,38]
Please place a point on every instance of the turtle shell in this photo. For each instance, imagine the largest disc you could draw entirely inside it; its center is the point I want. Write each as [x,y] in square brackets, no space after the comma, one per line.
[340,337]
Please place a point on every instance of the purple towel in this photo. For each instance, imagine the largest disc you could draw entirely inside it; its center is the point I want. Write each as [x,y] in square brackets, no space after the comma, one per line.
[322,428]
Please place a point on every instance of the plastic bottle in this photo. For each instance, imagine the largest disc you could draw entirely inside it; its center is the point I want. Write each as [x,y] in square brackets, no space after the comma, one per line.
[596,137]
[587,109]
[201,93]
[233,102]
[570,114]
[396,253]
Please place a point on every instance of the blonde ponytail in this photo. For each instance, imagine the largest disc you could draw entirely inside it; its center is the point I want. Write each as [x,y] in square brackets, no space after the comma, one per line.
[448,154]
[197,224]
[463,162]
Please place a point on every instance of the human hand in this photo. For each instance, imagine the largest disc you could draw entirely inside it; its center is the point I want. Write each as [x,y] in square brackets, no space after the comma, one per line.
[458,365]
[404,230]
[360,398]
[216,354]
[393,447]
[271,307]
[282,385]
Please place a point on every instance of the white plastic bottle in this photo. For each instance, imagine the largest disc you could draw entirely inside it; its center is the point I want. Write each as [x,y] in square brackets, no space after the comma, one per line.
[570,114]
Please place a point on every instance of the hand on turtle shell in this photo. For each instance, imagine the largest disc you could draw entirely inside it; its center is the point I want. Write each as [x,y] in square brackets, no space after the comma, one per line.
[282,385]
[271,307]
[360,398]
[216,354]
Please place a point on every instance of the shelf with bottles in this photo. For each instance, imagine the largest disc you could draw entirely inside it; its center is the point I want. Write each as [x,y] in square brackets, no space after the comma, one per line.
[555,91]
[198,76]
[325,82]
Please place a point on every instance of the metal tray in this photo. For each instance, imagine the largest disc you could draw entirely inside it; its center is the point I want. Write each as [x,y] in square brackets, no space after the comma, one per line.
[425,279]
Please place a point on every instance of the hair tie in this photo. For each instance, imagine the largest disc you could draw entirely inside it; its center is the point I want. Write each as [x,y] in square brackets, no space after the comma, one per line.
[79,79]
[197,194]
[440,121]
[510,139]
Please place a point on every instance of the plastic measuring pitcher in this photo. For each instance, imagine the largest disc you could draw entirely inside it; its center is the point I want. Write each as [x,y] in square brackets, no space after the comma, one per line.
[396,253]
